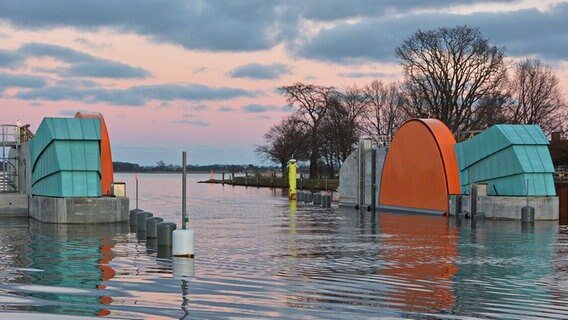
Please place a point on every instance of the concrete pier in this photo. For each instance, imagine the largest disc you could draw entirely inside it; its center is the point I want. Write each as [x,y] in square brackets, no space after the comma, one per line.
[13,205]
[507,208]
[79,210]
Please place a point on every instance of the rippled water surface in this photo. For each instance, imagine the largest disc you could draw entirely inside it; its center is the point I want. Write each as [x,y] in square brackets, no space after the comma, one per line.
[260,256]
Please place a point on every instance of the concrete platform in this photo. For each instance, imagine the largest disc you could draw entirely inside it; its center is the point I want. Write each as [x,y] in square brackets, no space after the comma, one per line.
[508,208]
[13,205]
[79,210]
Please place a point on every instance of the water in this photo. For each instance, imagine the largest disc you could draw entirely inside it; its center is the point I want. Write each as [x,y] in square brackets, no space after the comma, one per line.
[258,256]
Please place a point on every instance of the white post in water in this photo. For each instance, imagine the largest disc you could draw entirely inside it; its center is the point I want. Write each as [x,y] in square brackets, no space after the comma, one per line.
[183,239]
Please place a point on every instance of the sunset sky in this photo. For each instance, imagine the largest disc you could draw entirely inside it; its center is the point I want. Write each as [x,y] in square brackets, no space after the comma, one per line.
[201,76]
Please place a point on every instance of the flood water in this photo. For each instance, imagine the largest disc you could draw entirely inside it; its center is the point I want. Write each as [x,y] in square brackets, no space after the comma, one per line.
[260,256]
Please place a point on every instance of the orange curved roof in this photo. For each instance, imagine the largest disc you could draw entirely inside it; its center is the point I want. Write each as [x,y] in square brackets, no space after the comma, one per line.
[420,168]
[106,156]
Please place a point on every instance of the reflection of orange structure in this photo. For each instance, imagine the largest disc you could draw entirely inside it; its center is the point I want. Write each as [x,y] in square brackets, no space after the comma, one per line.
[420,250]
[420,169]
[107,274]
[107,170]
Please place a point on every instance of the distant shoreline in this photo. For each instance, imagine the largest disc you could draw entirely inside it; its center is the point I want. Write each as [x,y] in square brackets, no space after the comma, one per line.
[162,172]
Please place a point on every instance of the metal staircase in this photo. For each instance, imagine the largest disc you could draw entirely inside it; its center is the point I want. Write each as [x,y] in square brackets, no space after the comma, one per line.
[10,138]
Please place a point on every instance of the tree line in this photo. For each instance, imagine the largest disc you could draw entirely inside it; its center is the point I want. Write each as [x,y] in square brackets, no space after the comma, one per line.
[451,74]
[161,166]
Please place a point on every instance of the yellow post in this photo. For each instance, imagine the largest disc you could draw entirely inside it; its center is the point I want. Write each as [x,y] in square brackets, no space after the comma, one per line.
[292,178]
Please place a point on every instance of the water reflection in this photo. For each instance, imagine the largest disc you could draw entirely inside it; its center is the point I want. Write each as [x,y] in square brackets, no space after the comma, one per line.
[502,267]
[258,255]
[68,257]
[420,251]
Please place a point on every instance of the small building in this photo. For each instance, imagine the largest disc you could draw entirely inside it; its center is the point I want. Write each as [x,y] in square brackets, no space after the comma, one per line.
[62,174]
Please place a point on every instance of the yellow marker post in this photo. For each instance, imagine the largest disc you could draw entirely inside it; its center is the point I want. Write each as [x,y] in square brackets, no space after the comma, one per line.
[292,178]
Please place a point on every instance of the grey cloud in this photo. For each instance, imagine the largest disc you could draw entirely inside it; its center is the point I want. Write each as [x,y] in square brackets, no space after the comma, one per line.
[522,32]
[188,92]
[257,108]
[195,123]
[259,71]
[82,64]
[206,25]
[225,109]
[133,96]
[57,52]
[77,83]
[332,10]
[10,60]
[105,69]
[21,81]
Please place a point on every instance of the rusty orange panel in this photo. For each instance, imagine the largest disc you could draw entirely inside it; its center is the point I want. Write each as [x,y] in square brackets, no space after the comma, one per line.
[106,156]
[420,168]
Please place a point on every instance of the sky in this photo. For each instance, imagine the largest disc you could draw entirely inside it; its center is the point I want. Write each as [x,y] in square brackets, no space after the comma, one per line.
[202,76]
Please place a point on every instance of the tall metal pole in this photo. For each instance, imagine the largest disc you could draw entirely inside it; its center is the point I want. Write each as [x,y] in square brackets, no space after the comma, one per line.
[184,217]
[137,191]
[373,180]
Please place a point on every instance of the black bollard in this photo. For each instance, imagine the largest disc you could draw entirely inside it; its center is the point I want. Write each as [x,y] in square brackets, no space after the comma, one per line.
[133,216]
[165,230]
[152,227]
[141,220]
[317,199]
[527,214]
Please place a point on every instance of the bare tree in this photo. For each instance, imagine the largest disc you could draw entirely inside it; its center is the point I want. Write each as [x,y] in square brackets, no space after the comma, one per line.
[341,126]
[447,71]
[284,141]
[537,98]
[312,103]
[384,112]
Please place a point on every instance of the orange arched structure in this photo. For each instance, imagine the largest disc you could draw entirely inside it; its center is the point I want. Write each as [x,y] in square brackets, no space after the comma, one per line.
[420,168]
[107,170]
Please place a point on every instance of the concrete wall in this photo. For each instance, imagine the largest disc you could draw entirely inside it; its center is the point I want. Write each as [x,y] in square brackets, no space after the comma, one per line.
[349,181]
[351,187]
[79,210]
[13,205]
[508,208]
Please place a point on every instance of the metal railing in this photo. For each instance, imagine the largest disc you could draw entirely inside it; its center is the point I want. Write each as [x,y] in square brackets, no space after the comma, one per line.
[9,176]
[10,137]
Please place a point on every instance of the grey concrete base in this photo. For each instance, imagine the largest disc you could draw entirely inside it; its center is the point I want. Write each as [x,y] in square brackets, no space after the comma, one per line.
[79,210]
[509,208]
[13,205]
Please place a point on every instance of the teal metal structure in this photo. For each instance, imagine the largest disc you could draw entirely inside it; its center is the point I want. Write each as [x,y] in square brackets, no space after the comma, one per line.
[65,158]
[513,160]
